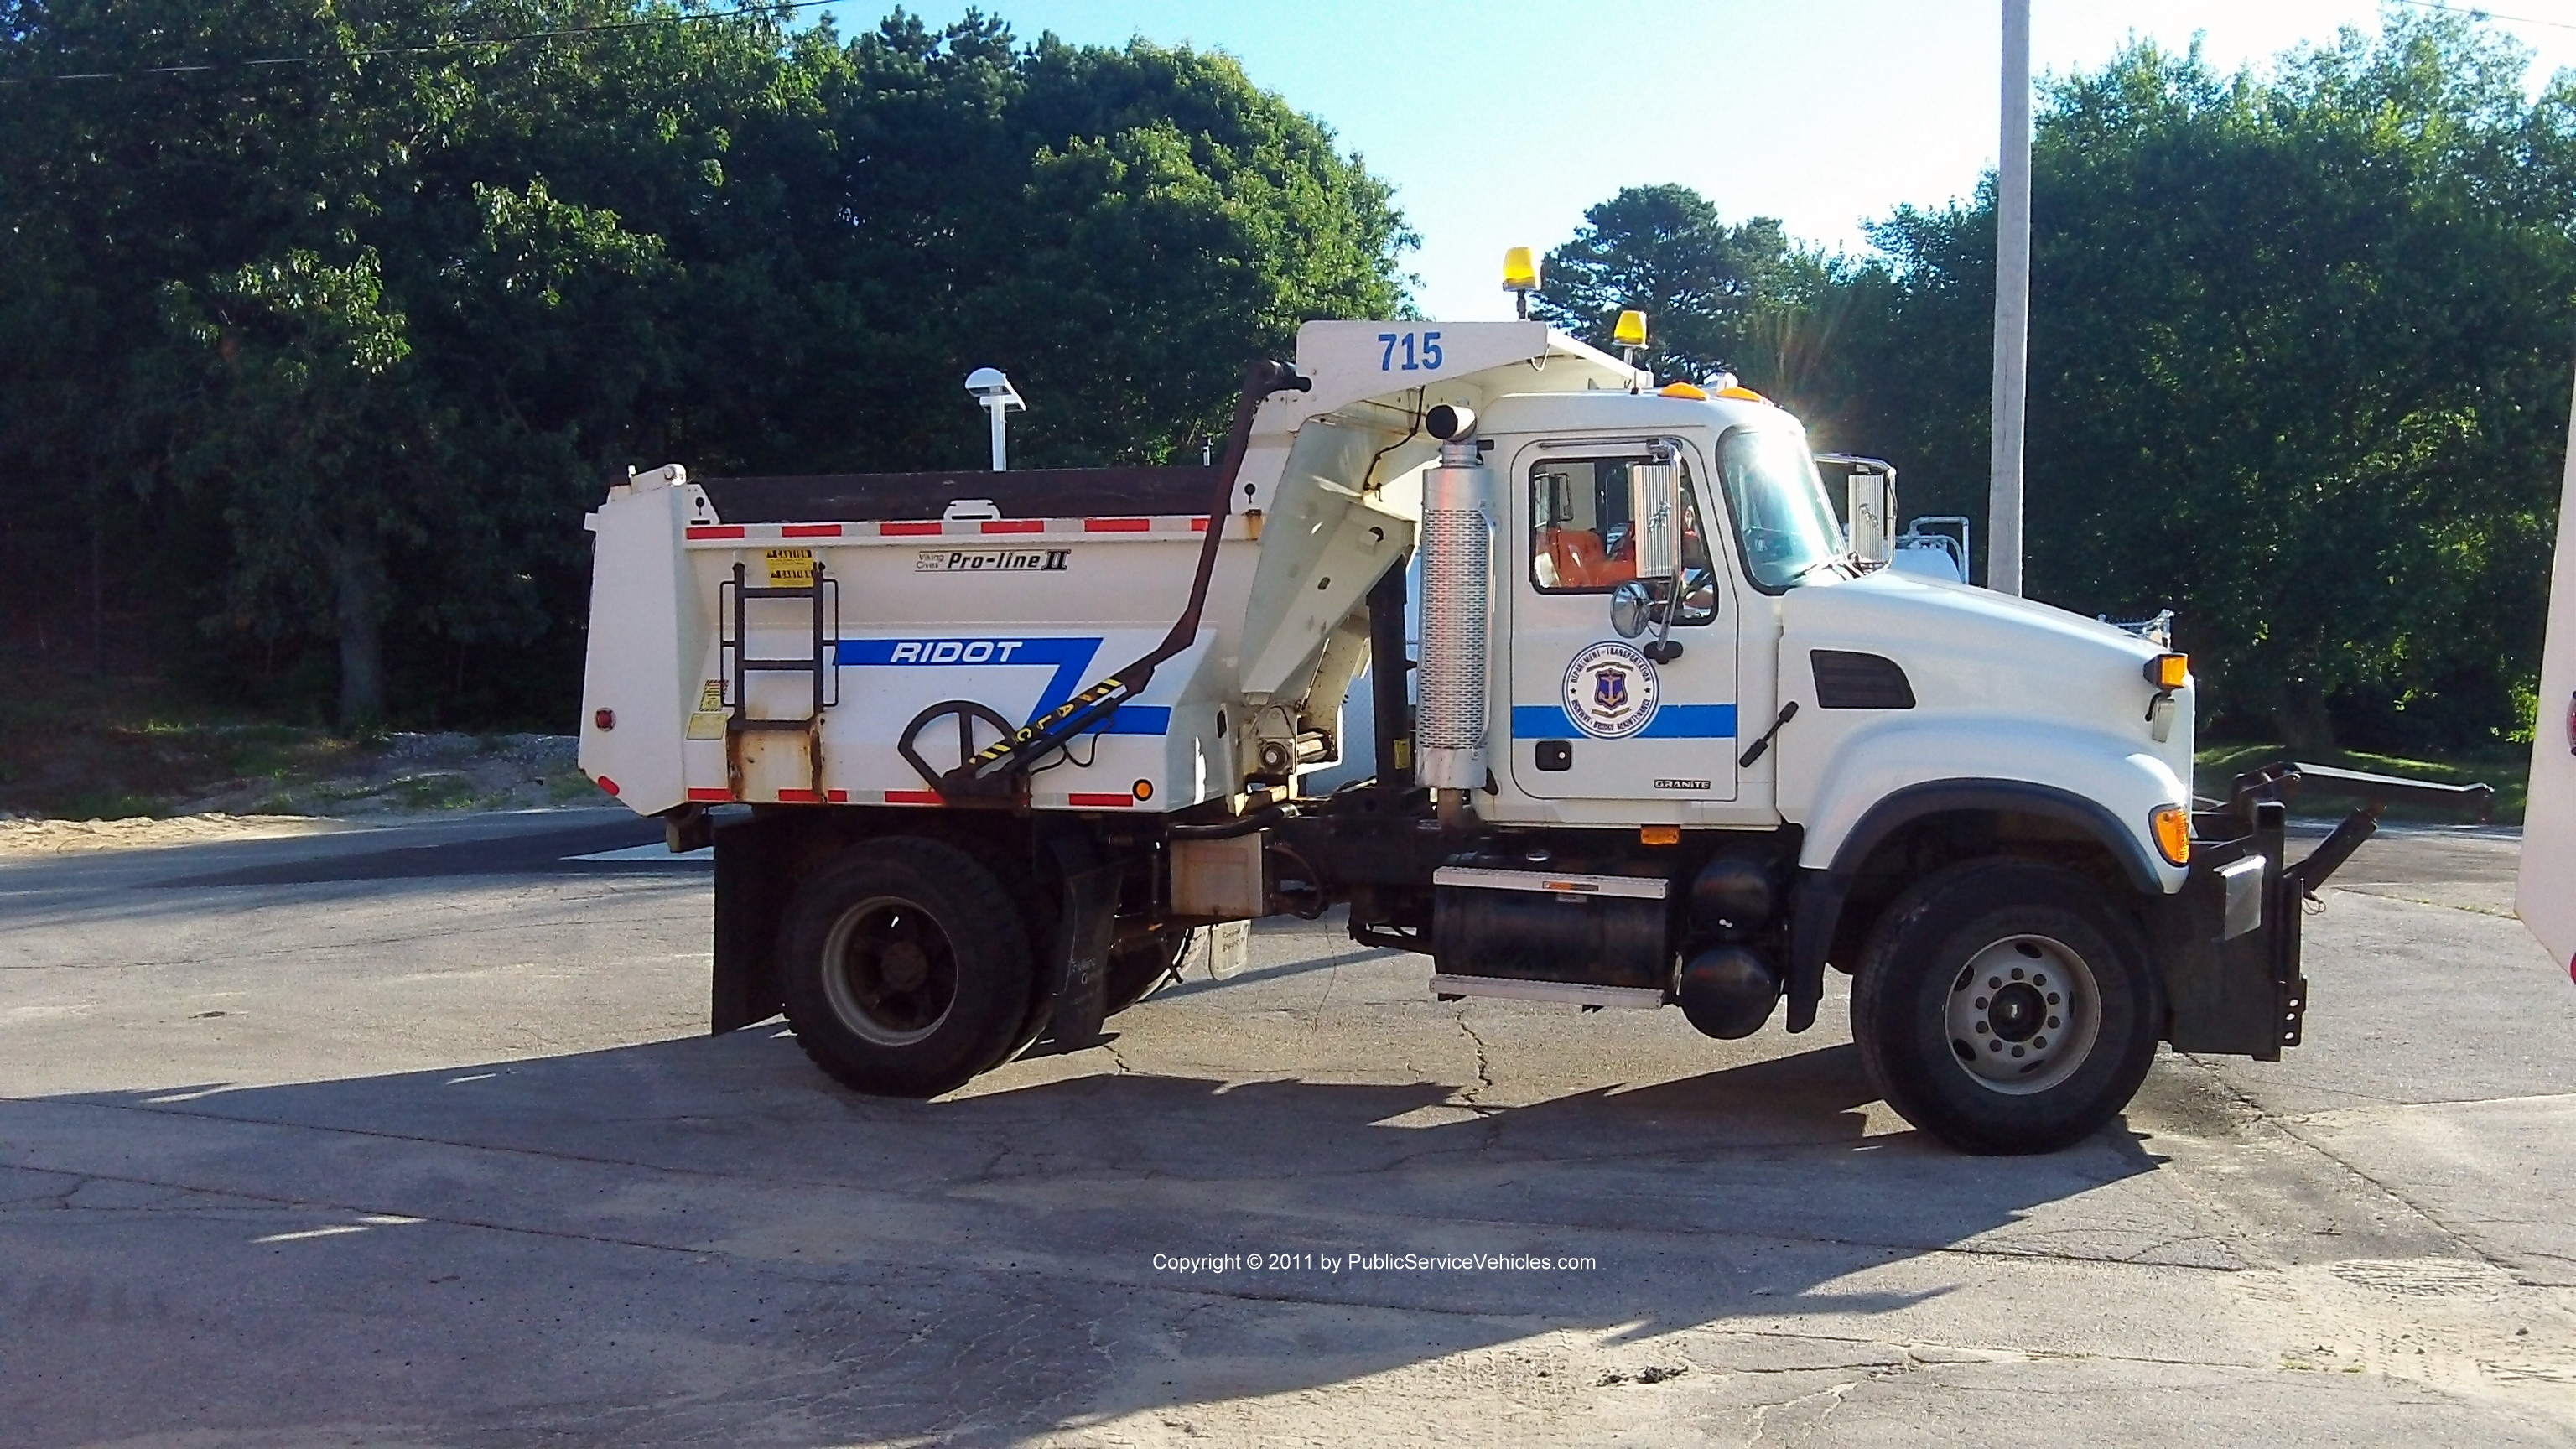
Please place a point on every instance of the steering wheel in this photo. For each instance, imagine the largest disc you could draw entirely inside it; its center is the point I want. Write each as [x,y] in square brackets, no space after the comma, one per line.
[1769,545]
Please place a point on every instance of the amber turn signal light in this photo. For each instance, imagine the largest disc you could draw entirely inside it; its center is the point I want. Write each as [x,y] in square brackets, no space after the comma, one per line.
[2173,833]
[2169,671]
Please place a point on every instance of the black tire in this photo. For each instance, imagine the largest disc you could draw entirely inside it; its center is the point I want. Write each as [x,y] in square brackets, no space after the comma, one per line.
[905,967]
[2015,1066]
[1139,969]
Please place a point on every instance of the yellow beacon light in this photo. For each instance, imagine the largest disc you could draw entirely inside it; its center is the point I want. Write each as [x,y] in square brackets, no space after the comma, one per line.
[1630,334]
[1520,278]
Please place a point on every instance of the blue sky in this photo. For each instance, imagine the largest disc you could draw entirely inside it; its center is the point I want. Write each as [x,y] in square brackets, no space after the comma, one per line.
[1499,124]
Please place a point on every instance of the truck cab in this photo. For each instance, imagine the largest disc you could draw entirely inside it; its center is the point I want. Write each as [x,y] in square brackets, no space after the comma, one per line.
[1015,744]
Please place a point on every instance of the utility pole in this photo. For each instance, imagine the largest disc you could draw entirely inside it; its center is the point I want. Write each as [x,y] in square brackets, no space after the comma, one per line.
[2012,309]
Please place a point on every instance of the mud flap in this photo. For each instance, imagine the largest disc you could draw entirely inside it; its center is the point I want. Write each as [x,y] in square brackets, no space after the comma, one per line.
[1219,951]
[1819,896]
[752,887]
[1077,966]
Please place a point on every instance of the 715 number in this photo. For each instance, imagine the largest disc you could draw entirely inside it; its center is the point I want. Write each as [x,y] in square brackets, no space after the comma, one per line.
[1421,352]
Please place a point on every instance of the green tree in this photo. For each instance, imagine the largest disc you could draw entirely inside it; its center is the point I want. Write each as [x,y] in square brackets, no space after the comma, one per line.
[316,445]
[340,350]
[2298,349]
[1710,290]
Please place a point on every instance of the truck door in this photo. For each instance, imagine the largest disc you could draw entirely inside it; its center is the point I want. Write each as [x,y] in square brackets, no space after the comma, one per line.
[1592,717]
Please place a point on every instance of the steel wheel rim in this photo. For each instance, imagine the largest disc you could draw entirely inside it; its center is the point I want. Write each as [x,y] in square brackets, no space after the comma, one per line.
[889,971]
[2023,1015]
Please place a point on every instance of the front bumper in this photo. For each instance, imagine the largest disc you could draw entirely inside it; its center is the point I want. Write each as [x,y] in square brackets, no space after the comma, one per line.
[2228,941]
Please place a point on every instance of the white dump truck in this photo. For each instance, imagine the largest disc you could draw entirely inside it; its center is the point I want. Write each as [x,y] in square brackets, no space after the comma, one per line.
[1009,741]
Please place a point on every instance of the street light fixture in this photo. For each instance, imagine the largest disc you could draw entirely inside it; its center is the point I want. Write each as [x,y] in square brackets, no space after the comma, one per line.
[991,387]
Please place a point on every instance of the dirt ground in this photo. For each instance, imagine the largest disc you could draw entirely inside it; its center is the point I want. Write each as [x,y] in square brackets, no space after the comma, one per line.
[72,837]
[413,772]
[196,784]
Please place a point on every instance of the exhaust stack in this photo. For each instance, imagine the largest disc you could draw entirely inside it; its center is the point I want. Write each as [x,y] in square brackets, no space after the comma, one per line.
[1457,580]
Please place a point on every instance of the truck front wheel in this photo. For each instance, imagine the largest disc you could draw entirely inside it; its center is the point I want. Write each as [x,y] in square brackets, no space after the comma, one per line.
[2006,1007]
[905,967]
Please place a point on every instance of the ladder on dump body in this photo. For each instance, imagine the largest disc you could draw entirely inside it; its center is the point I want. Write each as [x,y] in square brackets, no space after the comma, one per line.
[824,594]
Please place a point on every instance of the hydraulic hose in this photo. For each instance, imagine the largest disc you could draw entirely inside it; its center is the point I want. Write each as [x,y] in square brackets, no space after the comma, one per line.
[1092,707]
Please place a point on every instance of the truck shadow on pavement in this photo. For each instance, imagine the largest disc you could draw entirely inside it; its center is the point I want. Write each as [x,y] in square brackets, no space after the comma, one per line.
[694,1236]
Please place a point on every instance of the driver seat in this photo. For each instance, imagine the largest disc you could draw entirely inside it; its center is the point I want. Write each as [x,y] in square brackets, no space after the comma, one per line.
[1581,562]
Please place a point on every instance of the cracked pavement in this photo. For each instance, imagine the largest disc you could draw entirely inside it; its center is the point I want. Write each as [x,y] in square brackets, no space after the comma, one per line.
[411,1136]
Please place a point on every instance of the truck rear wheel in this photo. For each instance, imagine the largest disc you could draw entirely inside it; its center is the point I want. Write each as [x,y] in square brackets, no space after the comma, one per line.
[2005,1007]
[905,967]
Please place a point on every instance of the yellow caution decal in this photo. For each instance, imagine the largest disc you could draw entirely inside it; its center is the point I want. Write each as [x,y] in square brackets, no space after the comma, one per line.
[790,568]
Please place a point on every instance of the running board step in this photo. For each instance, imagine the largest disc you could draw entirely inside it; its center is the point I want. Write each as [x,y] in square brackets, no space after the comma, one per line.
[1563,993]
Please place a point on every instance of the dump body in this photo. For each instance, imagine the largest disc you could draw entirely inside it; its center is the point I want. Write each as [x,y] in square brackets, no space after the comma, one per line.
[927,594]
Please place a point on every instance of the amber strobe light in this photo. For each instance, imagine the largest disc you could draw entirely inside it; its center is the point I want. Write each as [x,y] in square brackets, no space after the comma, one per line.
[1520,278]
[2173,833]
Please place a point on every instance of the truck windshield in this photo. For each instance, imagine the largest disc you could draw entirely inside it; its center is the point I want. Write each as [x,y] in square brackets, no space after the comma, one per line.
[1782,518]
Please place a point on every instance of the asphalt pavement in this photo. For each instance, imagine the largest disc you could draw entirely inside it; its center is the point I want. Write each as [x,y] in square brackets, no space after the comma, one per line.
[414,1136]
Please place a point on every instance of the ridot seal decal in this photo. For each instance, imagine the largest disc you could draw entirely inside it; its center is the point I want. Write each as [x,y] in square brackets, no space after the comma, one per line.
[1611,690]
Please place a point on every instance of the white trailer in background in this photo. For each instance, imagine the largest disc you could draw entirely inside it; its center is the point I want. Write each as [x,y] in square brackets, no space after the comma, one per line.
[2546,895]
[979,752]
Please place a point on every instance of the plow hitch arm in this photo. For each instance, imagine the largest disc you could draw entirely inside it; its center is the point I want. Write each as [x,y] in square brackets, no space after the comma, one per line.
[2289,779]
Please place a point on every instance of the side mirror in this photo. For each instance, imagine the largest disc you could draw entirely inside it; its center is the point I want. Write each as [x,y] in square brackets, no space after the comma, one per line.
[1699,597]
[1655,514]
[1632,608]
[1869,514]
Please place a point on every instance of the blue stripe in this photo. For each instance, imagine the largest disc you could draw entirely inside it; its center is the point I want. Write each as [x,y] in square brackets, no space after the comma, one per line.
[1691,722]
[1140,719]
[1543,722]
[1671,722]
[1068,657]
